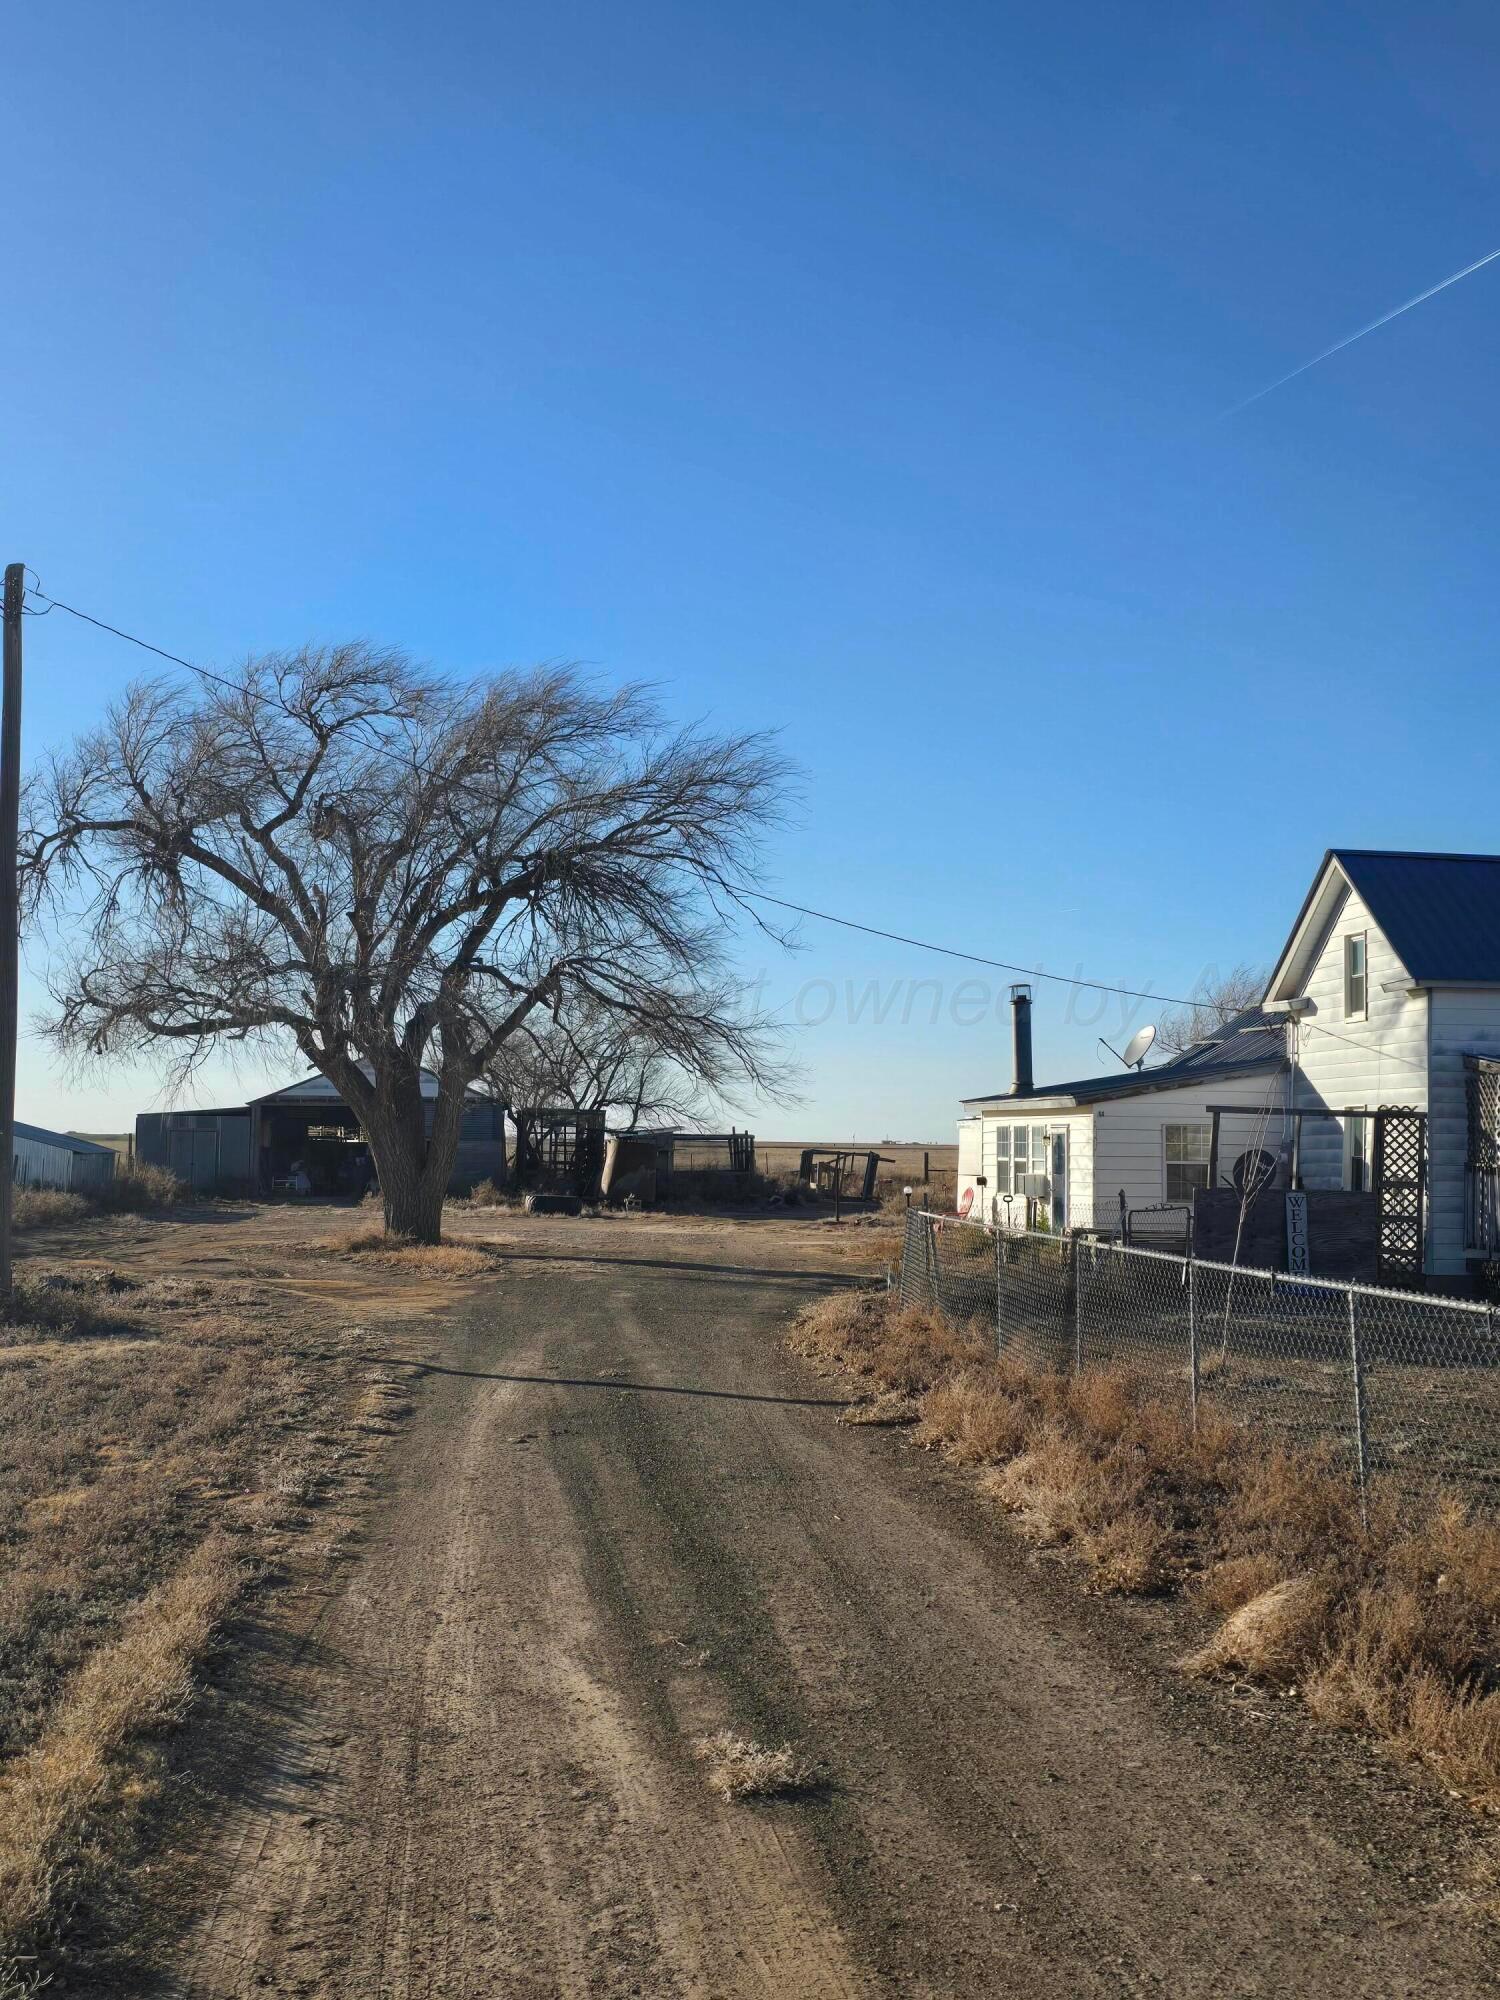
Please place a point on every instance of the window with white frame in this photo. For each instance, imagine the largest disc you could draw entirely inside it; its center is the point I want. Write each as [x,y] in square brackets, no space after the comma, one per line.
[1357,1155]
[1356,977]
[1184,1160]
[1019,1150]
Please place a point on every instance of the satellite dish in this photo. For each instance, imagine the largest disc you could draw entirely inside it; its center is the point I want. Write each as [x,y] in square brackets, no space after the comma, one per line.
[1253,1170]
[1136,1047]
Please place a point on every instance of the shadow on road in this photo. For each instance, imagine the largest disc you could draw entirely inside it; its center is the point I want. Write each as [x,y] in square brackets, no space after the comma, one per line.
[420,1368]
[762,1273]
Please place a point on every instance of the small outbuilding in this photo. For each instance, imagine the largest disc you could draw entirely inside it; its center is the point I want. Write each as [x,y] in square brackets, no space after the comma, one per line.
[46,1159]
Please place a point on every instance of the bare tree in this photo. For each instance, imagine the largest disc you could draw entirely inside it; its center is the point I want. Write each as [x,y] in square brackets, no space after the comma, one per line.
[391,872]
[1217,998]
[665,1059]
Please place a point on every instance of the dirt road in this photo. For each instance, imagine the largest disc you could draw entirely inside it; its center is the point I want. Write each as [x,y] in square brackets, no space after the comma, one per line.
[621,1517]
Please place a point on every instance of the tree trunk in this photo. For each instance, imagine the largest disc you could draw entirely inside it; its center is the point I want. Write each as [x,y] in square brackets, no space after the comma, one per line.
[413,1201]
[398,1145]
[414,1171]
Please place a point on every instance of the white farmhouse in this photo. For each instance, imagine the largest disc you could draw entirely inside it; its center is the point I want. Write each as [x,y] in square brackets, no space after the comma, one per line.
[1372,1065]
[1392,977]
[1075,1153]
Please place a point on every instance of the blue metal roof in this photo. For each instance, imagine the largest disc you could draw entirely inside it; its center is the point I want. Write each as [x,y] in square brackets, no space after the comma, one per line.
[1440,912]
[1247,1045]
[66,1142]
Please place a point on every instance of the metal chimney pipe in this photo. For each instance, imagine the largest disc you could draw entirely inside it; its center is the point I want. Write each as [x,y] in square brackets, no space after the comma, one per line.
[1020,1028]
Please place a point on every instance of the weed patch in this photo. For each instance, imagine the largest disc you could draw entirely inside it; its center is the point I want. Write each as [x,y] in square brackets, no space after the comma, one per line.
[738,1769]
[402,1253]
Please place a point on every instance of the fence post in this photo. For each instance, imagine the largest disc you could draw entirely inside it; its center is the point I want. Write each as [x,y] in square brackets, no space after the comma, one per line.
[1358,1373]
[1077,1308]
[999,1295]
[1192,1289]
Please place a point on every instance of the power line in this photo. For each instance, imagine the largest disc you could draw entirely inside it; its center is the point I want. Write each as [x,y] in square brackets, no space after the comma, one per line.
[975,958]
[848,923]
[753,895]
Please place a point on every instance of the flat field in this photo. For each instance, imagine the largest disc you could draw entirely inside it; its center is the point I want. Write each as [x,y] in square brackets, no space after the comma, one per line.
[902,1163]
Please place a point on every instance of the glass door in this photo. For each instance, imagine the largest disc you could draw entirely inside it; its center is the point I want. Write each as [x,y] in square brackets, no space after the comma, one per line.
[1059,1179]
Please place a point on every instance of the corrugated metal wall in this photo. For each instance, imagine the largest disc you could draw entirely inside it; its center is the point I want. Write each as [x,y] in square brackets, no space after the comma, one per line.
[38,1164]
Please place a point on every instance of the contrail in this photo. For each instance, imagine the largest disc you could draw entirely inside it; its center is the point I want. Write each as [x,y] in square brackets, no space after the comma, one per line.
[1349,339]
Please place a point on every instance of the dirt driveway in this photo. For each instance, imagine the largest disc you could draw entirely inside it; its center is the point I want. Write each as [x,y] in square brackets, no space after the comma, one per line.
[621,1517]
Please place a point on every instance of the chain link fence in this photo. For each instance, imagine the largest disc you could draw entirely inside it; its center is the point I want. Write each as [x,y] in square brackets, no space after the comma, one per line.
[1398,1385]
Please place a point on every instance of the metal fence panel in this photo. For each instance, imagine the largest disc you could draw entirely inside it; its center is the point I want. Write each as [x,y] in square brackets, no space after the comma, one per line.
[1389,1384]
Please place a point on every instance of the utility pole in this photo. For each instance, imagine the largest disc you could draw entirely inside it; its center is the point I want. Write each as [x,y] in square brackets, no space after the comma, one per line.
[10,906]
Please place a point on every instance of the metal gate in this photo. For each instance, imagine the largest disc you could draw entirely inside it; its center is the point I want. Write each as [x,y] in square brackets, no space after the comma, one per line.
[1401,1190]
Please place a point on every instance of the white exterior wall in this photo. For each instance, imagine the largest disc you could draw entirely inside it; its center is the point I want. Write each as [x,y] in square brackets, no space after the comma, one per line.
[1462,1020]
[1079,1126]
[970,1158]
[1381,1059]
[977,1155]
[1128,1151]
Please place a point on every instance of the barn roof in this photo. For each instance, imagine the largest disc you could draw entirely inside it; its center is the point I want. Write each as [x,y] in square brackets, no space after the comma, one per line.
[316,1089]
[67,1142]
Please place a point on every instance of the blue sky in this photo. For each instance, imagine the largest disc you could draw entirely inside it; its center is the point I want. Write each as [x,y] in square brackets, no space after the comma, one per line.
[848,368]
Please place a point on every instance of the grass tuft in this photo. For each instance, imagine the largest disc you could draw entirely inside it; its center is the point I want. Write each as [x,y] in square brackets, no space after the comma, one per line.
[739,1769]
[403,1253]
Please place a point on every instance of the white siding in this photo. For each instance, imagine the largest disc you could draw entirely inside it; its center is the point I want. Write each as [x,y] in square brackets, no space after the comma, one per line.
[969,1157]
[1128,1146]
[1079,1127]
[1380,1060]
[977,1155]
[1463,1020]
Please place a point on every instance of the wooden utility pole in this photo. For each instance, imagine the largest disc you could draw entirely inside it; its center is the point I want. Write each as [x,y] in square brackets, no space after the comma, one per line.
[10,908]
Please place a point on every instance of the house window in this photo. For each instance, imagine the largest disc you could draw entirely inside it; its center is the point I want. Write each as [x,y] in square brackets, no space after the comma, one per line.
[1019,1150]
[1357,1155]
[1185,1155]
[1356,978]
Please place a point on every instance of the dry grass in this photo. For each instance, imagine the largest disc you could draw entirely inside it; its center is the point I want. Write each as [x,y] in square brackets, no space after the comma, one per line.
[738,1769]
[1390,1626]
[45,1208]
[153,1426]
[402,1253]
[889,1407]
[52,1796]
[135,1189]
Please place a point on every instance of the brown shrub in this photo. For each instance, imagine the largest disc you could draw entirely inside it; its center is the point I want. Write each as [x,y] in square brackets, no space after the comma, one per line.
[977,1416]
[1272,1636]
[138,1185]
[485,1194]
[135,1187]
[45,1208]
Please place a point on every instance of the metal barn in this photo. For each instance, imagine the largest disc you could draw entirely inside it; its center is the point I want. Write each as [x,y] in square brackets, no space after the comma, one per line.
[303,1136]
[59,1160]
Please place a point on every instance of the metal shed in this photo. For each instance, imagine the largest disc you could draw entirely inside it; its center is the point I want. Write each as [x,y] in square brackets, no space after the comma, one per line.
[59,1160]
[210,1150]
